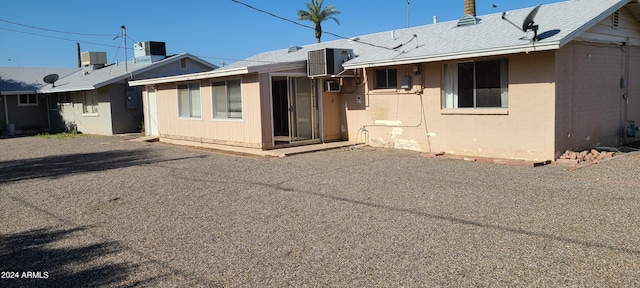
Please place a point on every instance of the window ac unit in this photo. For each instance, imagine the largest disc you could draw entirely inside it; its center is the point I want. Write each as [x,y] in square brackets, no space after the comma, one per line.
[331,86]
[327,61]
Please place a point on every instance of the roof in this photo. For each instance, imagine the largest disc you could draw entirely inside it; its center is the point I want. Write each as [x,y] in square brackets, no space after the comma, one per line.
[23,80]
[83,79]
[559,24]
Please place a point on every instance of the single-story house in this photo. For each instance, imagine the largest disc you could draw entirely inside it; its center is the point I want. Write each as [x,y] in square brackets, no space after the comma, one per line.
[20,104]
[96,98]
[523,84]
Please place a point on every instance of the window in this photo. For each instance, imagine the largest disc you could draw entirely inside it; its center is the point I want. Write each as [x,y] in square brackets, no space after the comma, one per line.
[90,102]
[64,98]
[386,78]
[28,100]
[476,84]
[189,100]
[227,99]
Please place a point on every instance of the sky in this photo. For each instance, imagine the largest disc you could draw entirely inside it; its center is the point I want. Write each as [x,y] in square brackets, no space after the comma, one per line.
[36,33]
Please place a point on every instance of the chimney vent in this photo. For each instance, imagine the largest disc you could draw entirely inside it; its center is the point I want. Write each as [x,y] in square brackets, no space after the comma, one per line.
[470,7]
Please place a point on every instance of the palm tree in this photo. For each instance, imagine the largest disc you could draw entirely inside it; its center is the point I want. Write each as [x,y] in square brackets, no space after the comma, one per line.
[316,14]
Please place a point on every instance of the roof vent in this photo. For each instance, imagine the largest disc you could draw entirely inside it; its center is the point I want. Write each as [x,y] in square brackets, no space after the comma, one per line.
[467,20]
[615,19]
[293,48]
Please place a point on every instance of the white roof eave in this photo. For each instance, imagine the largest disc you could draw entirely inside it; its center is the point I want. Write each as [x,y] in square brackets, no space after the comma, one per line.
[18,92]
[76,89]
[190,77]
[219,73]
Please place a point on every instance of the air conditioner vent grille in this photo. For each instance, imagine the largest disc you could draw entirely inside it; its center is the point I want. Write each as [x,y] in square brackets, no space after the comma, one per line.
[327,62]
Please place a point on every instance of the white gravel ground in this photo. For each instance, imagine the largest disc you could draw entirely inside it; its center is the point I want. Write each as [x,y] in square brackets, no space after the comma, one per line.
[104,211]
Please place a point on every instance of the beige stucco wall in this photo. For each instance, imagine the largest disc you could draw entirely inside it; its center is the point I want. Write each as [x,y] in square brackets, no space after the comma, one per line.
[405,119]
[98,123]
[590,98]
[631,105]
[242,132]
[592,105]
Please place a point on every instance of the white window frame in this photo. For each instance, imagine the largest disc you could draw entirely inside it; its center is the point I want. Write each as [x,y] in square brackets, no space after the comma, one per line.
[90,102]
[28,102]
[450,85]
[227,114]
[192,101]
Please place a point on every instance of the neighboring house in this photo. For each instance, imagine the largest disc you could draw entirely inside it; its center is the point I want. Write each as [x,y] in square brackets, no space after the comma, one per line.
[20,104]
[96,98]
[479,86]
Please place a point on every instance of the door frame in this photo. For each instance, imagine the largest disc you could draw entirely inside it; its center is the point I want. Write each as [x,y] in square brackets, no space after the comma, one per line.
[316,118]
[150,111]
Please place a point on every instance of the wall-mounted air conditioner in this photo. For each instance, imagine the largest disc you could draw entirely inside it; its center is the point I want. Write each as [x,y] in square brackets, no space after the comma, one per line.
[327,61]
[331,86]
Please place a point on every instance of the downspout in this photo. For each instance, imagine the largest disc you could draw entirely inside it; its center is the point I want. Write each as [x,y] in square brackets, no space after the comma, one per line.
[6,110]
[626,49]
[48,111]
[317,90]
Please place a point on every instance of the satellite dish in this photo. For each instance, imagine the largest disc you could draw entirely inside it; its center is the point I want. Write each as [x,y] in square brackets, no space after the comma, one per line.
[529,23]
[51,79]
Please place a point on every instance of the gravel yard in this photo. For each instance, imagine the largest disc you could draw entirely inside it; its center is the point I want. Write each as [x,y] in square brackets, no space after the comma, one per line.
[105,211]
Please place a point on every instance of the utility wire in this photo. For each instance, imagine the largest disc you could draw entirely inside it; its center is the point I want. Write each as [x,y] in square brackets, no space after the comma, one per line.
[59,38]
[52,30]
[307,26]
[120,46]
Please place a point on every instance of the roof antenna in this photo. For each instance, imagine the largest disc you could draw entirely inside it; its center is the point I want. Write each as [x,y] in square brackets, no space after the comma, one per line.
[528,24]
[51,79]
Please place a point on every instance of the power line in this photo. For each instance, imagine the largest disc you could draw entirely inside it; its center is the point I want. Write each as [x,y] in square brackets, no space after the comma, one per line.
[120,46]
[59,38]
[52,30]
[309,27]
